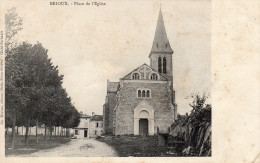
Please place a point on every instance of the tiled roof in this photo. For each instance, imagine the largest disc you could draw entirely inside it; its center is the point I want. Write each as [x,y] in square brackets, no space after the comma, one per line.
[97,118]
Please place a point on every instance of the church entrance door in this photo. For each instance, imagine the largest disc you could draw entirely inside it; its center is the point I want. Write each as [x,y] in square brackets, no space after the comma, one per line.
[143,127]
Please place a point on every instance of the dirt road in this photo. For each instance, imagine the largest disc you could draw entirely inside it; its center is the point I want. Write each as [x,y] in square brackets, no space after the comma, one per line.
[76,148]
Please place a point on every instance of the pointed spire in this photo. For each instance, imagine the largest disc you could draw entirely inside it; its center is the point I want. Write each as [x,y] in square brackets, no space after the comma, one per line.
[161,43]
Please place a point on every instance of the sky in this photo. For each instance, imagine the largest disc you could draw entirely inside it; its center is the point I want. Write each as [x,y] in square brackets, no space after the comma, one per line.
[92,44]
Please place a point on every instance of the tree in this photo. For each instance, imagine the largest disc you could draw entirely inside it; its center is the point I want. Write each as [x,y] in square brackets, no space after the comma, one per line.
[13,90]
[13,24]
[34,90]
[37,73]
[201,112]
[194,126]
[199,118]
[14,100]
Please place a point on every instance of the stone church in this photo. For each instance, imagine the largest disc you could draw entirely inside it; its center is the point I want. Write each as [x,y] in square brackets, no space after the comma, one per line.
[143,101]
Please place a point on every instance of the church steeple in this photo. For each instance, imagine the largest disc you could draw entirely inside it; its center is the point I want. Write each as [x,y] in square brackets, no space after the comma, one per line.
[161,43]
[161,53]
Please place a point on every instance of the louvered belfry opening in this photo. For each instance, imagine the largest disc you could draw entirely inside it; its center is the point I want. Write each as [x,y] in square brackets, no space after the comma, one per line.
[160,65]
[164,65]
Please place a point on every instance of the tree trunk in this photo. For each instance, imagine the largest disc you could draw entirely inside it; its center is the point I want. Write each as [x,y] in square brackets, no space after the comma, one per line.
[50,129]
[61,131]
[22,130]
[27,132]
[6,130]
[13,131]
[36,132]
[54,130]
[17,131]
[45,132]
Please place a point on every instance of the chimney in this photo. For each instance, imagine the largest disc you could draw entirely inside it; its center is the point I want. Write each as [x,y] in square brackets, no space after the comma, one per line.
[93,114]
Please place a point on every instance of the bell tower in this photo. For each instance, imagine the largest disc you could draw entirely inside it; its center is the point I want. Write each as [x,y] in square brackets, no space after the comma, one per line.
[161,53]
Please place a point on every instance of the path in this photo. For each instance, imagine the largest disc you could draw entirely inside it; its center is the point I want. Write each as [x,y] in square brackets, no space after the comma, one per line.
[77,148]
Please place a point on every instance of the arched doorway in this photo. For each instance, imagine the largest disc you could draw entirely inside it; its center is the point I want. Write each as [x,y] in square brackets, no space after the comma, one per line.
[144,119]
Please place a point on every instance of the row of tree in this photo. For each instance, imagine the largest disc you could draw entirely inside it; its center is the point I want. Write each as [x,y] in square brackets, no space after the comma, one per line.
[33,86]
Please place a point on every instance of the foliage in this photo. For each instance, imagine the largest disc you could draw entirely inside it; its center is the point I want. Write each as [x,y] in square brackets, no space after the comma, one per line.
[34,89]
[195,128]
[33,92]
[13,24]
[201,112]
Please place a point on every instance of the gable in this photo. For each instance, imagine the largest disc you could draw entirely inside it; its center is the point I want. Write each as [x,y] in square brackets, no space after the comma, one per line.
[144,72]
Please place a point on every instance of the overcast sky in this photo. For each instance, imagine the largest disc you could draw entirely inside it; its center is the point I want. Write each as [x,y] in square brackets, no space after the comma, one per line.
[92,44]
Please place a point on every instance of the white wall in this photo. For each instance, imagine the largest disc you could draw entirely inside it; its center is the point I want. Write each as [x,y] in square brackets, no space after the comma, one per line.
[83,125]
[93,127]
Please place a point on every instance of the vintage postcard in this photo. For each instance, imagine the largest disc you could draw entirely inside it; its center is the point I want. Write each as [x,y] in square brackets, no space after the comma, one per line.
[94,81]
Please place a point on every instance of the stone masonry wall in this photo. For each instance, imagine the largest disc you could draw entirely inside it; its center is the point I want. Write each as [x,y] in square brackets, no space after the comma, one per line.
[111,107]
[154,64]
[93,127]
[128,100]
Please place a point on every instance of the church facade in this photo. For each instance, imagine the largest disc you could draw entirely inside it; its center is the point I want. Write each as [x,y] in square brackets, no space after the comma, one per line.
[143,101]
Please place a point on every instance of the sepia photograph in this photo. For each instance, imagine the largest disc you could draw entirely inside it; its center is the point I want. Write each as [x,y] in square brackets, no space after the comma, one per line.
[107,79]
[92,79]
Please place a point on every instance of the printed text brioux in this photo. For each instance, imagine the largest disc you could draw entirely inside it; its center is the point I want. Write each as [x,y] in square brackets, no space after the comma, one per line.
[65,3]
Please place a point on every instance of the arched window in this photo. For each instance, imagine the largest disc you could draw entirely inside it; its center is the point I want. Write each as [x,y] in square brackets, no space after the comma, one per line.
[159,65]
[139,93]
[164,65]
[148,93]
[143,93]
[135,76]
[154,76]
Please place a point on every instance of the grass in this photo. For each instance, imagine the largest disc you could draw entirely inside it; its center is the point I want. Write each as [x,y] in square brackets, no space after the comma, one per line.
[138,146]
[20,147]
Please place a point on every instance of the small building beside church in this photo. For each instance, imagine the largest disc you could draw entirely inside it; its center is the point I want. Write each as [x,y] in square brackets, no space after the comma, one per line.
[143,101]
[89,127]
[96,126]
[82,131]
